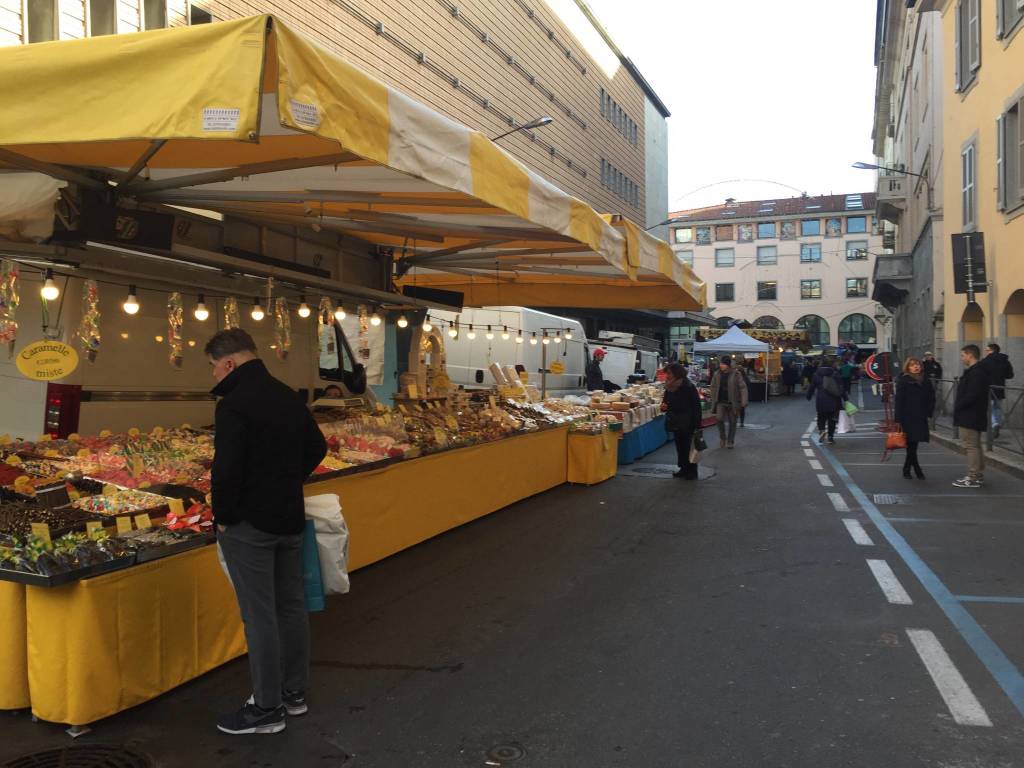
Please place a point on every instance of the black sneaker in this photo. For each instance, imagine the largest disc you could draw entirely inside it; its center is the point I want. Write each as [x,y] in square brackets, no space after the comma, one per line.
[294,703]
[252,719]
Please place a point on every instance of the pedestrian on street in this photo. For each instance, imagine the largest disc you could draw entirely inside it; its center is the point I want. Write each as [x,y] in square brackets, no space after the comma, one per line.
[595,377]
[681,406]
[915,403]
[970,414]
[846,374]
[790,377]
[266,444]
[827,389]
[932,368]
[742,371]
[999,369]
[807,374]
[728,398]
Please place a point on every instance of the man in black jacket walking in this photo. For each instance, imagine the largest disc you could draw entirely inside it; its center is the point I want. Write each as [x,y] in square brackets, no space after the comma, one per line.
[999,369]
[970,414]
[266,445]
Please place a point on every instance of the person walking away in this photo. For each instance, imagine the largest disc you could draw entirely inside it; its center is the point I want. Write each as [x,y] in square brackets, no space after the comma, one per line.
[970,414]
[931,367]
[728,397]
[846,372]
[681,406]
[807,374]
[790,377]
[741,370]
[266,444]
[914,404]
[827,391]
[595,377]
[999,369]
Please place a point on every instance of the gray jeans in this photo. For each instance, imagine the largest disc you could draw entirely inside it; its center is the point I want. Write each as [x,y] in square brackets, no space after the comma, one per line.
[726,414]
[975,455]
[266,571]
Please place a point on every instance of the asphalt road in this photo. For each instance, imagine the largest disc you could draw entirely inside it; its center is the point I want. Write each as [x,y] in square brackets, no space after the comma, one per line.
[651,622]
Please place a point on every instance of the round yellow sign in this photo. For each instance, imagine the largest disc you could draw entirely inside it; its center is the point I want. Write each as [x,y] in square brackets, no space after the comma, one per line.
[557,367]
[47,360]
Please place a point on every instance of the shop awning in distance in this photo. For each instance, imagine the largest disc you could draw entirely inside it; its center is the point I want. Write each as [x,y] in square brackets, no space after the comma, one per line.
[251,120]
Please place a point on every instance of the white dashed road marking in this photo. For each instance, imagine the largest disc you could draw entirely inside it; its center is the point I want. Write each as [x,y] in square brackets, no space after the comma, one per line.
[805,443]
[825,481]
[891,587]
[857,532]
[808,452]
[963,704]
[838,502]
[815,464]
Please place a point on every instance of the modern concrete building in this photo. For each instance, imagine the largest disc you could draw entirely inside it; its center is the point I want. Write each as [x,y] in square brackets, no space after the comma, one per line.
[909,278]
[800,263]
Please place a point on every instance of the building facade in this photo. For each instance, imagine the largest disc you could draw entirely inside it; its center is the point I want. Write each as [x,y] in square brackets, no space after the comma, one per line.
[796,263]
[908,144]
[983,168]
[491,65]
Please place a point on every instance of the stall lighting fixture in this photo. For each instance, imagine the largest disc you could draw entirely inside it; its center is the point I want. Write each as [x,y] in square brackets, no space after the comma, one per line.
[505,334]
[427,326]
[158,339]
[304,310]
[49,291]
[402,322]
[131,304]
[546,339]
[558,338]
[201,312]
[533,339]
[339,313]
[453,332]
[471,334]
[490,334]
[519,337]
[257,313]
[568,335]
[375,319]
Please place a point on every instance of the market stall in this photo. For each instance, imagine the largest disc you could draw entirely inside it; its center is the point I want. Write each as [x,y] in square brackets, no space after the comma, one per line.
[736,342]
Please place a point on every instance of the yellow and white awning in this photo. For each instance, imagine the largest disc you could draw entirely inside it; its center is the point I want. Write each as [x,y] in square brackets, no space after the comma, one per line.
[250,119]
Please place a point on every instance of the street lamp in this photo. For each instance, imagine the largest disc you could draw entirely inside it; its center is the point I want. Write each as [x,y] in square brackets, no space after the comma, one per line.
[872,167]
[540,122]
[660,224]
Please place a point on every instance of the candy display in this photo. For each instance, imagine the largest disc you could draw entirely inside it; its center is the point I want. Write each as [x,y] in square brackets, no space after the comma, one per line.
[34,560]
[16,518]
[120,501]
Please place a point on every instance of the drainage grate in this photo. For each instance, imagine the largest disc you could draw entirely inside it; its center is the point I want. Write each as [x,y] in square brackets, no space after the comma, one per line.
[662,471]
[82,756]
[891,498]
[506,753]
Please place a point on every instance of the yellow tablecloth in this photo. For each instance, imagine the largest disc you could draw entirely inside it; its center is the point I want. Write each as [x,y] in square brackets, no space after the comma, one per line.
[99,646]
[592,458]
[13,648]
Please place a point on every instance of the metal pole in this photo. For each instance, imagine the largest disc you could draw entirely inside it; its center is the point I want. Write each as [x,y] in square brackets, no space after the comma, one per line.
[544,372]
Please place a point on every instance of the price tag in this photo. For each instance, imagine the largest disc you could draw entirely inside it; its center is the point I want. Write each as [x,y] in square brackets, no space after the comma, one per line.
[124,524]
[440,436]
[42,530]
[142,521]
[176,507]
[94,529]
[414,391]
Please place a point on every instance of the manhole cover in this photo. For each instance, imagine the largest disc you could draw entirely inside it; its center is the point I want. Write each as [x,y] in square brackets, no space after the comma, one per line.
[83,756]
[891,498]
[506,753]
[663,471]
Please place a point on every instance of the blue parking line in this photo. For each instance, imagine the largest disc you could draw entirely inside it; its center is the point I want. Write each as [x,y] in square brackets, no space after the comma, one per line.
[989,599]
[991,655]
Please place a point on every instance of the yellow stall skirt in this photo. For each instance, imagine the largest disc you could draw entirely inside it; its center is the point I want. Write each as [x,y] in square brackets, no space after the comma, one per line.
[593,458]
[13,648]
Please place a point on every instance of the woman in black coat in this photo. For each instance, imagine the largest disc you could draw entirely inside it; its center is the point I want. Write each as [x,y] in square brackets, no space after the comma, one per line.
[915,403]
[681,406]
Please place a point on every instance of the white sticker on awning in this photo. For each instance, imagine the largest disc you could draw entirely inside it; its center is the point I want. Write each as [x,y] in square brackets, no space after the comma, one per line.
[220,119]
[305,114]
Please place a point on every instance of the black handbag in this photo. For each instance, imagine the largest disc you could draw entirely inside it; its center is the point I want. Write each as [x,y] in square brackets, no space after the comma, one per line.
[698,440]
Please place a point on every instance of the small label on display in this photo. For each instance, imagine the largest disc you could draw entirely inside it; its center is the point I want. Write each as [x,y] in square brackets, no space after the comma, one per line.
[124,524]
[216,119]
[176,507]
[94,529]
[142,521]
[42,530]
[305,114]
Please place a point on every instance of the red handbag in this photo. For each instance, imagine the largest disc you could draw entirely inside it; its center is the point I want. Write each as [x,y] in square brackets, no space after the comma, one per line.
[895,440]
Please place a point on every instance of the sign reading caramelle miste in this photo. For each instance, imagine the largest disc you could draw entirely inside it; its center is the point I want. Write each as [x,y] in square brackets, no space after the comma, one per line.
[47,360]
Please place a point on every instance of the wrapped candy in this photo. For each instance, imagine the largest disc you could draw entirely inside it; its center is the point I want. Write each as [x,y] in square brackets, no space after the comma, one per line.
[231,313]
[88,333]
[8,303]
[175,318]
[282,327]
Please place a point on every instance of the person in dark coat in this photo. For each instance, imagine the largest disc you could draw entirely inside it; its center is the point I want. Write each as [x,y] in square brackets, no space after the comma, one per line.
[932,368]
[915,403]
[999,369]
[595,377]
[681,406]
[265,446]
[807,374]
[790,377]
[828,399]
[970,414]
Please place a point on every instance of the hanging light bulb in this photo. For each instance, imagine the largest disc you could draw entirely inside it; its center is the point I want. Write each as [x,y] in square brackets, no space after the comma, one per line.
[519,337]
[257,313]
[471,334]
[427,327]
[49,291]
[402,322]
[568,335]
[375,319]
[558,338]
[505,334]
[339,313]
[201,312]
[304,310]
[453,332]
[490,334]
[546,339]
[533,339]
[131,304]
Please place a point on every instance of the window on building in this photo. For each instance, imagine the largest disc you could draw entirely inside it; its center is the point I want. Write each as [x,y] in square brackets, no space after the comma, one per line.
[856,250]
[787,230]
[859,329]
[197,15]
[967,42]
[768,323]
[725,292]
[684,235]
[810,289]
[102,17]
[725,322]
[603,110]
[810,253]
[817,329]
[745,233]
[1008,16]
[767,254]
[703,235]
[154,13]
[723,232]
[967,185]
[768,290]
[810,228]
[1010,157]
[856,287]
[857,224]
[42,20]
[686,257]
[725,257]
[765,230]
[833,227]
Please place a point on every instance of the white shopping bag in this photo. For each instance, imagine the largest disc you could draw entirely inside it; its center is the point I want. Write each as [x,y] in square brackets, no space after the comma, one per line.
[846,423]
[331,541]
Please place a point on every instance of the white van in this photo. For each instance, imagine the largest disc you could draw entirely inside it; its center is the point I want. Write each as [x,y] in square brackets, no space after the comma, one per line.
[623,360]
[469,360]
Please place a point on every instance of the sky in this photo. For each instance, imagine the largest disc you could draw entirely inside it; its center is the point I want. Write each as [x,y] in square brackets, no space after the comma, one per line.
[781,91]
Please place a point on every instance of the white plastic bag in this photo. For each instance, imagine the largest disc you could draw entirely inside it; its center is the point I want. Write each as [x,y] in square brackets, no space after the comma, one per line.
[846,423]
[331,541]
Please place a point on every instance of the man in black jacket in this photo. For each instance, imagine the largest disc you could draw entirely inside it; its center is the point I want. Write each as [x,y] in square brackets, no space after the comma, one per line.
[266,445]
[931,367]
[970,414]
[999,370]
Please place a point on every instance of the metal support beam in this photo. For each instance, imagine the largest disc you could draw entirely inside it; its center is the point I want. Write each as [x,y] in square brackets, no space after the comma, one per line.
[56,171]
[142,162]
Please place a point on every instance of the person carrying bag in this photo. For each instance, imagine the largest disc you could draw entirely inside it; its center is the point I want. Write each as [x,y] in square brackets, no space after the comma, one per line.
[914,405]
[681,406]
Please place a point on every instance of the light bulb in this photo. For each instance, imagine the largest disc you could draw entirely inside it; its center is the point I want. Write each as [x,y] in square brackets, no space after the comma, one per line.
[427,327]
[201,312]
[519,337]
[131,304]
[453,332]
[402,322]
[49,291]
[375,320]
[533,339]
[558,338]
[304,310]
[490,334]
[568,335]
[339,313]
[545,340]
[257,313]
[471,334]
[505,334]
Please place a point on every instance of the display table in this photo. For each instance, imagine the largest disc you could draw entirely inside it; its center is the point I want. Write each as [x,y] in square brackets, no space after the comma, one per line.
[592,458]
[643,440]
[13,647]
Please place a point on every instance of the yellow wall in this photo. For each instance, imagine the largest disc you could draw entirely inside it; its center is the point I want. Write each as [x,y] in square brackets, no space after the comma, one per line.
[975,112]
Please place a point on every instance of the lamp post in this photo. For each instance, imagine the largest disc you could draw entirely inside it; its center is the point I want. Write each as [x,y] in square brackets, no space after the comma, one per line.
[873,167]
[539,122]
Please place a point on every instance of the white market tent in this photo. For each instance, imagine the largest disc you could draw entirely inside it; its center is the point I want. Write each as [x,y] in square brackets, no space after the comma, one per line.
[733,340]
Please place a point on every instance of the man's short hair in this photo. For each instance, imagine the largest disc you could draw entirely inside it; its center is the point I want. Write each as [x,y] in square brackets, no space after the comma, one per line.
[994,347]
[725,360]
[972,350]
[678,370]
[228,342]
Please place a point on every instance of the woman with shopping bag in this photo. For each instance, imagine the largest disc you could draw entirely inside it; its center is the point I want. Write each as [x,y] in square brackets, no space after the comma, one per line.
[915,403]
[681,406]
